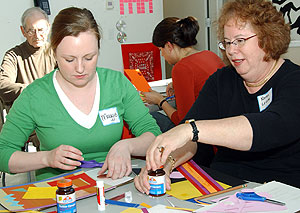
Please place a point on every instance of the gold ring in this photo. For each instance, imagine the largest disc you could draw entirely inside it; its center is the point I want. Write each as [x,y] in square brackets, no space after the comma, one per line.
[161,149]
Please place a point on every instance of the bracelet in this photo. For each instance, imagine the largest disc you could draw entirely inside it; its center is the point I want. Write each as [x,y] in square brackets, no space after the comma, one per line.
[172,161]
[195,130]
[161,103]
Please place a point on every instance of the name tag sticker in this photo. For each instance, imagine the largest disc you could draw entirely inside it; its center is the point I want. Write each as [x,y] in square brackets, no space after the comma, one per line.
[265,100]
[109,116]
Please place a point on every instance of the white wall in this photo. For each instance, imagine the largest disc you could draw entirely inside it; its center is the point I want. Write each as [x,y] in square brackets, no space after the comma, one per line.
[139,26]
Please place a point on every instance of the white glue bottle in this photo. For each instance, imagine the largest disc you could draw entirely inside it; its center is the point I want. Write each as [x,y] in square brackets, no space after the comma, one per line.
[100,195]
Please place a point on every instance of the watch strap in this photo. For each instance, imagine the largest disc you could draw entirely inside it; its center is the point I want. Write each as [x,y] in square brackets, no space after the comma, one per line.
[161,103]
[195,130]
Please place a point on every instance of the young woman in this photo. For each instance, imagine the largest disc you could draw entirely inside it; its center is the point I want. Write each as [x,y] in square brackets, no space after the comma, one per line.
[77,110]
[176,39]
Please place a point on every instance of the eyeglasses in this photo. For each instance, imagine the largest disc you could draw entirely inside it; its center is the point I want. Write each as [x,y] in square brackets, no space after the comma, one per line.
[239,42]
[40,31]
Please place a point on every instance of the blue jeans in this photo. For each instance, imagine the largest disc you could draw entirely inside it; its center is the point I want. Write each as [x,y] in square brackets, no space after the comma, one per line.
[163,121]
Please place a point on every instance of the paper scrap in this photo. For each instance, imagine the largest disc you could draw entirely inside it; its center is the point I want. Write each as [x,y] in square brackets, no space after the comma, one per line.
[132,210]
[184,190]
[145,205]
[40,193]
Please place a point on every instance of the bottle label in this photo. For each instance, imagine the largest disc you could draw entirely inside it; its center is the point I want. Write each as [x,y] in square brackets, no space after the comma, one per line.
[66,203]
[157,185]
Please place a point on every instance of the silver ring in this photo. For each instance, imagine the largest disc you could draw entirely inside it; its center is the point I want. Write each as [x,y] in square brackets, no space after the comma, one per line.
[161,149]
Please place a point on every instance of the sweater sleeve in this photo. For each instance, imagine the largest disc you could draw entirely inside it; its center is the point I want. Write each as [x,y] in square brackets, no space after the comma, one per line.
[9,89]
[16,130]
[136,113]
[183,83]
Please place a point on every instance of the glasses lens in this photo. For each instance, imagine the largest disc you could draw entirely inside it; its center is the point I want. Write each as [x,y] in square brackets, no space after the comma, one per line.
[221,46]
[32,32]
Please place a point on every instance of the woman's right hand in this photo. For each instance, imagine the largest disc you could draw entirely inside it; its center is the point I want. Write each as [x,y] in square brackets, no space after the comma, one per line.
[170,90]
[64,157]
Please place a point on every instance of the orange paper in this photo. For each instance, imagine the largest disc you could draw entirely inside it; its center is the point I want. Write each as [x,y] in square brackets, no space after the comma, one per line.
[137,79]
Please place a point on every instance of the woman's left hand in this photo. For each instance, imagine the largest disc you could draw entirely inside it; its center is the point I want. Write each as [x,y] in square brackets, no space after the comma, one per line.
[118,161]
[142,184]
[152,97]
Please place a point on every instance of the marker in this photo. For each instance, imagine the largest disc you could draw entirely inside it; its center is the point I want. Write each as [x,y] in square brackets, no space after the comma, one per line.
[168,98]
[100,195]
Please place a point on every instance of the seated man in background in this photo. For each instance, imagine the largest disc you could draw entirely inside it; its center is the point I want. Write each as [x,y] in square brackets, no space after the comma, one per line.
[28,61]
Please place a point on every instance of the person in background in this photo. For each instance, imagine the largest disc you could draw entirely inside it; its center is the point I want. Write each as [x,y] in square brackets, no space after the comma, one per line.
[176,39]
[76,110]
[28,61]
[249,109]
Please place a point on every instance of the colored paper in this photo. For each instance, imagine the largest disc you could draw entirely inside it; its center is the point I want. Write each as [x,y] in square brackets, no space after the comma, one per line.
[132,210]
[184,190]
[199,178]
[40,193]
[11,197]
[108,182]
[145,205]
[137,79]
[140,6]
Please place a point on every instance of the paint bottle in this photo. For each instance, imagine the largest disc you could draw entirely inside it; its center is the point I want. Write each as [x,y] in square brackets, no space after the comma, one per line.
[100,195]
[65,197]
[157,182]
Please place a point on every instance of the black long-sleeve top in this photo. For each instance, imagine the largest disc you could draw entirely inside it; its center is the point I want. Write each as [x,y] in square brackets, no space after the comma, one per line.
[275,121]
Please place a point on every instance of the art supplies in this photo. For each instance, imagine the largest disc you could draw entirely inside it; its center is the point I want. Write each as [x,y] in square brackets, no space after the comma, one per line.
[199,178]
[137,79]
[120,203]
[221,192]
[65,197]
[252,196]
[100,196]
[90,164]
[84,185]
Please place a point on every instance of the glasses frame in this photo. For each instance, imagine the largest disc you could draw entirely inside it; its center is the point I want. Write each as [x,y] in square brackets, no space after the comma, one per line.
[40,31]
[223,45]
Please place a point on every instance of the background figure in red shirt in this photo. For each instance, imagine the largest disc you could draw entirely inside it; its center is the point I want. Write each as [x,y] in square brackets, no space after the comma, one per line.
[176,38]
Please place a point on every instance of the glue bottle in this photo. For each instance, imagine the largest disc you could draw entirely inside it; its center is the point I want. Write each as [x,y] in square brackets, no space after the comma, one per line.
[65,197]
[157,182]
[100,195]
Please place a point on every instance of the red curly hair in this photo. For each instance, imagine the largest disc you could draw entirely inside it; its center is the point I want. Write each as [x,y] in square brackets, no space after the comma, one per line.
[268,23]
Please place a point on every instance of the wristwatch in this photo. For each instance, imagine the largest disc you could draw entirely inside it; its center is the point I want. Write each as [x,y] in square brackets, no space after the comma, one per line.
[161,103]
[195,130]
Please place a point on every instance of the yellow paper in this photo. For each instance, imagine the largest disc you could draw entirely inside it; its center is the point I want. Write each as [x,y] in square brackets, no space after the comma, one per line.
[132,210]
[184,190]
[225,186]
[40,193]
[146,205]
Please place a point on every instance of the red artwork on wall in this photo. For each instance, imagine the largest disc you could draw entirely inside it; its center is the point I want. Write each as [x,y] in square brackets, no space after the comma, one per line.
[145,57]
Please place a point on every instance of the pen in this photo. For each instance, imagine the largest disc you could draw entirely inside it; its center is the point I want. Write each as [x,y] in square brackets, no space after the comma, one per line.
[220,192]
[168,98]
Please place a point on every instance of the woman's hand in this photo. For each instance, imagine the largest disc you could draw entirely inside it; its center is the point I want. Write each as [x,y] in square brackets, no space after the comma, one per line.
[142,184]
[166,143]
[152,97]
[64,157]
[170,90]
[118,160]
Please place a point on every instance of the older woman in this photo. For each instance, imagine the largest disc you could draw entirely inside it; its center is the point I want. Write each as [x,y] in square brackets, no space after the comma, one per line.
[77,110]
[250,109]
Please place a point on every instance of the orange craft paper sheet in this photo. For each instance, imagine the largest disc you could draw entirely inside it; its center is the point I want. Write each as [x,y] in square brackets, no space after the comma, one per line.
[137,79]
